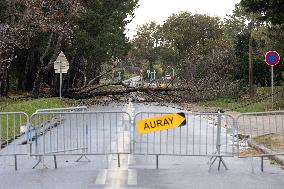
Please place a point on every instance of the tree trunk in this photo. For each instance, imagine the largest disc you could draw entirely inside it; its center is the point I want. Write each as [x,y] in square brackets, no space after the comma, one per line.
[93,70]
[39,75]
[92,92]
[43,69]
[3,78]
[30,59]
[251,88]
[6,59]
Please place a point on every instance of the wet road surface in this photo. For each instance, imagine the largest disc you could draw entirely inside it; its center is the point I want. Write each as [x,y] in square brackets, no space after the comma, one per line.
[137,171]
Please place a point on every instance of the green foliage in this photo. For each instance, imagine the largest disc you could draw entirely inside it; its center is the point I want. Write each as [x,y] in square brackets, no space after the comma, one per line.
[30,106]
[100,35]
[101,28]
[229,104]
[146,46]
[186,32]
[271,11]
[209,54]
[264,38]
[90,32]
[3,8]
[159,69]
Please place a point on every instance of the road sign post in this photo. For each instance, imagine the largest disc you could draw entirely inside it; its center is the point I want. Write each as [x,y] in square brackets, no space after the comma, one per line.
[154,72]
[272,58]
[148,72]
[61,65]
[272,87]
[119,75]
[60,90]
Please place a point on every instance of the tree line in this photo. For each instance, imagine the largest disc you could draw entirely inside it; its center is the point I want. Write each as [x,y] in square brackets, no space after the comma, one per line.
[89,32]
[210,55]
[213,55]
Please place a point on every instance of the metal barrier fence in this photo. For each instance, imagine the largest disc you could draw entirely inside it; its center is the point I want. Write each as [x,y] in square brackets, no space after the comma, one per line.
[204,134]
[263,131]
[13,125]
[261,135]
[80,133]
[58,132]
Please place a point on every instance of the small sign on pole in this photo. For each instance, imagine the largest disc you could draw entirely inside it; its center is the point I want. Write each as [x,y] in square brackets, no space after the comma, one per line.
[61,65]
[272,58]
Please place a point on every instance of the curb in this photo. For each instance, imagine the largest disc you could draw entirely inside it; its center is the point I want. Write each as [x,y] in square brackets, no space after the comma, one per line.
[278,158]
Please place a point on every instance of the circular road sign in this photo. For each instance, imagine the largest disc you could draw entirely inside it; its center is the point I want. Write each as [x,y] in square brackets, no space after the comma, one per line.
[272,58]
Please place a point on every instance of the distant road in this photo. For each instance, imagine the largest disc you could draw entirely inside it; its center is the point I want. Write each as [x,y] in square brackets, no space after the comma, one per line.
[133,82]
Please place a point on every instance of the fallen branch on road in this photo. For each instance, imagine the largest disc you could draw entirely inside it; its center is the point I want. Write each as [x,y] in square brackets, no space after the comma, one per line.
[93,91]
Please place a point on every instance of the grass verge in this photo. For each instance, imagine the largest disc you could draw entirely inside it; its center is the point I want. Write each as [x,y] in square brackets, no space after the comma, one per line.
[271,141]
[10,125]
[31,105]
[238,106]
[260,102]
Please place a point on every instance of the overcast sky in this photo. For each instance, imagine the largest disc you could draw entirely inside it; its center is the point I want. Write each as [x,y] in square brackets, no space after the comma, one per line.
[160,10]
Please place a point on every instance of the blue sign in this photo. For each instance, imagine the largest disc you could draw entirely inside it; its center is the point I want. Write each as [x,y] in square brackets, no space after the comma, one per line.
[272,58]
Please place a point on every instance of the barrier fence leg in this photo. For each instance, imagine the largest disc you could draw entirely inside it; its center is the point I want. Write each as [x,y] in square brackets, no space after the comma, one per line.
[218,146]
[40,160]
[223,162]
[157,162]
[82,157]
[16,164]
[219,164]
[31,150]
[55,162]
[262,164]
[213,162]
[118,160]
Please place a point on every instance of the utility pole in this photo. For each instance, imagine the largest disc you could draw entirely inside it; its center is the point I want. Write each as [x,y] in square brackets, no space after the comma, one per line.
[251,90]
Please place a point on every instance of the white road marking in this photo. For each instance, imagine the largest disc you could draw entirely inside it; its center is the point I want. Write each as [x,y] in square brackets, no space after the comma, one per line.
[116,177]
[131,160]
[101,178]
[132,177]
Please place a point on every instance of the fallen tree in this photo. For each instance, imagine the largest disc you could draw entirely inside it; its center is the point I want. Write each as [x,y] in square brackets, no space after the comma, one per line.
[118,88]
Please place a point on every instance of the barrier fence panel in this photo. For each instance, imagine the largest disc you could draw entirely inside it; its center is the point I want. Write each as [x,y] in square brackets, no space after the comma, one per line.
[80,133]
[13,125]
[203,135]
[261,134]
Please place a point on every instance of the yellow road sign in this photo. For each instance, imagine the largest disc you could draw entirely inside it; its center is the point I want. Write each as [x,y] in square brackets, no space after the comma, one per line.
[164,122]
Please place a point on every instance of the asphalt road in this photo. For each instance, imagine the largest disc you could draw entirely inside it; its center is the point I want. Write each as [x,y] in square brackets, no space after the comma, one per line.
[112,134]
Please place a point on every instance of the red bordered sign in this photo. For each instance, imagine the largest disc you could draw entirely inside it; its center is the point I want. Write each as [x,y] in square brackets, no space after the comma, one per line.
[272,58]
